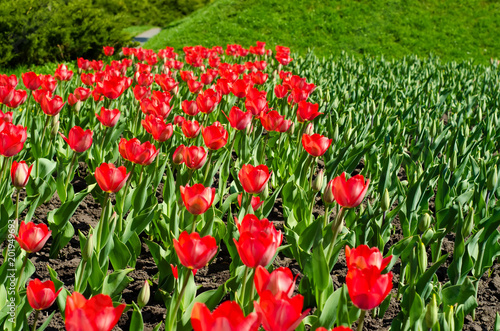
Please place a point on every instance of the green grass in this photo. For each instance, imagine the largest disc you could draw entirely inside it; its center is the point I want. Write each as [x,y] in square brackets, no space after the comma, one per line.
[137,30]
[452,30]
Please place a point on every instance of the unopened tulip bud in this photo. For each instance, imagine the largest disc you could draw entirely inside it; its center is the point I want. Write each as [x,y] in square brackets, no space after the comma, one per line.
[431,313]
[78,106]
[336,133]
[328,197]
[318,181]
[492,181]
[249,129]
[422,257]
[448,316]
[265,193]
[291,129]
[385,204]
[425,222]
[377,121]
[309,129]
[468,225]
[371,107]
[434,129]
[20,174]
[88,250]
[454,160]
[144,295]
[347,136]
[55,125]
[420,171]
[463,146]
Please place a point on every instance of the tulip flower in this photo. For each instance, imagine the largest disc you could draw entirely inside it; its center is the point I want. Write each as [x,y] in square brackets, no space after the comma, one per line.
[307,111]
[20,174]
[95,314]
[191,129]
[41,295]
[166,83]
[193,251]
[215,136]
[280,280]
[256,201]
[258,77]
[113,87]
[12,139]
[31,80]
[88,79]
[239,119]
[280,91]
[207,101]
[190,108]
[18,98]
[135,152]
[52,106]
[350,193]
[223,86]
[253,179]
[157,127]
[338,328]
[108,50]
[178,156]
[6,94]
[187,75]
[63,73]
[280,313]
[78,139]
[141,92]
[194,157]
[110,178]
[367,287]
[271,121]
[108,117]
[197,198]
[315,144]
[363,257]
[239,88]
[228,317]
[257,104]
[32,237]
[194,86]
[49,83]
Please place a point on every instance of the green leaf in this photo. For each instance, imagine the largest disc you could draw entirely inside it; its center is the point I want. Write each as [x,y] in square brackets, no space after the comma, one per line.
[458,294]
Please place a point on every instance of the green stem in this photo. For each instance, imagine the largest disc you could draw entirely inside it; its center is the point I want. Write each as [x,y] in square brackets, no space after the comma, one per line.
[299,135]
[190,174]
[102,143]
[78,286]
[193,228]
[26,119]
[41,142]
[232,145]
[25,260]
[210,152]
[327,216]
[243,286]
[336,227]
[140,175]
[179,298]
[17,204]
[361,320]
[73,160]
[249,203]
[4,166]
[313,167]
[264,151]
[120,219]
[36,320]
[99,229]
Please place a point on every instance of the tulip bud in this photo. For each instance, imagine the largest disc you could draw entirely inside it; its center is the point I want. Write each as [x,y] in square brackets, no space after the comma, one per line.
[454,160]
[431,313]
[492,179]
[328,197]
[144,295]
[385,204]
[20,174]
[347,136]
[422,257]
[425,222]
[318,181]
[309,129]
[404,182]
[249,128]
[448,316]
[55,125]
[265,193]
[78,106]
[371,107]
[336,133]
[377,121]
[427,236]
[434,129]
[468,224]
[291,129]
[88,250]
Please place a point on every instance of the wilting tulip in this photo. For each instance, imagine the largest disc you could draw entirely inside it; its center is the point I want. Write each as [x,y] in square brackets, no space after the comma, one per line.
[215,136]
[191,129]
[193,251]
[32,237]
[367,287]
[363,257]
[253,179]
[316,145]
[63,73]
[108,50]
[52,106]
[78,140]
[95,314]
[157,127]
[228,317]
[108,117]
[135,152]
[110,178]
[41,295]
[197,198]
[256,201]
[280,280]
[190,108]
[280,313]
[239,119]
[349,193]
[20,174]
[12,139]
[194,157]
[307,111]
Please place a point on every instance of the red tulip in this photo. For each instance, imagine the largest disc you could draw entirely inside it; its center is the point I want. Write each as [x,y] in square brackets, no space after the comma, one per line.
[316,145]
[108,50]
[6,94]
[349,193]
[194,157]
[135,152]
[110,178]
[259,77]
[190,108]
[157,127]
[18,98]
[33,237]
[280,313]
[88,79]
[228,317]
[256,105]
[195,252]
[207,101]
[191,129]
[364,257]
[63,73]
[239,88]
[52,106]
[187,75]
[178,156]
[367,287]
[141,92]
[280,91]
[299,95]
[197,198]
[215,136]
[113,87]
[338,328]
[144,79]
[82,93]
[108,117]
[285,126]
[307,111]
[253,179]
[256,201]
[206,78]
[41,295]
[20,174]
[31,80]
[194,86]
[280,280]
[95,314]
[96,65]
[271,121]
[239,119]
[8,80]
[12,139]
[175,271]
[223,86]
[83,64]
[78,140]
[49,83]
[166,83]
[6,117]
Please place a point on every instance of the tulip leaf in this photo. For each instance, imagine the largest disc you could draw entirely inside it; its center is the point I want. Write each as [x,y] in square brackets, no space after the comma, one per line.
[137,223]
[119,254]
[136,321]
[115,283]
[417,310]
[269,204]
[329,312]
[46,323]
[458,294]
[320,271]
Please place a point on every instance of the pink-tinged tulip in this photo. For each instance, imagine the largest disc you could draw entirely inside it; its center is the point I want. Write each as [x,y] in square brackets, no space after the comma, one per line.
[191,129]
[52,106]
[6,117]
[367,287]
[239,119]
[12,139]
[32,237]
[63,73]
[31,80]
[108,117]
[157,127]
[256,201]
[228,317]
[253,179]
[135,152]
[190,108]
[20,174]
[193,251]
[307,111]
[215,136]
[83,64]
[349,193]
[144,79]
[280,313]
[280,280]
[194,157]
[95,314]
[41,295]
[197,198]
[78,139]
[363,257]
[285,126]
[110,178]
[316,145]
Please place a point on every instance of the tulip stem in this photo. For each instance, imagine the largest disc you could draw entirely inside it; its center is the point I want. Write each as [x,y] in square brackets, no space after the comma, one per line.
[36,320]
[78,286]
[210,152]
[120,219]
[4,166]
[41,142]
[102,143]
[25,260]
[243,286]
[26,118]
[193,228]
[190,174]
[178,302]
[361,320]
[327,216]
[336,227]
[299,134]
[264,150]
[73,160]
[17,205]
[100,225]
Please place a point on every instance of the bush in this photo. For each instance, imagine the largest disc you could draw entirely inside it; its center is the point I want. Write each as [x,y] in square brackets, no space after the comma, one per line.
[36,31]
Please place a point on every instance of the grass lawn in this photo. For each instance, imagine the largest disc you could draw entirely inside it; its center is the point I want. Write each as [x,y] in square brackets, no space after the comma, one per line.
[137,30]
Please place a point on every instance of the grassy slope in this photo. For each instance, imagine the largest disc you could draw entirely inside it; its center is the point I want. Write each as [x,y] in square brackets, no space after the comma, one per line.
[453,30]
[137,30]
